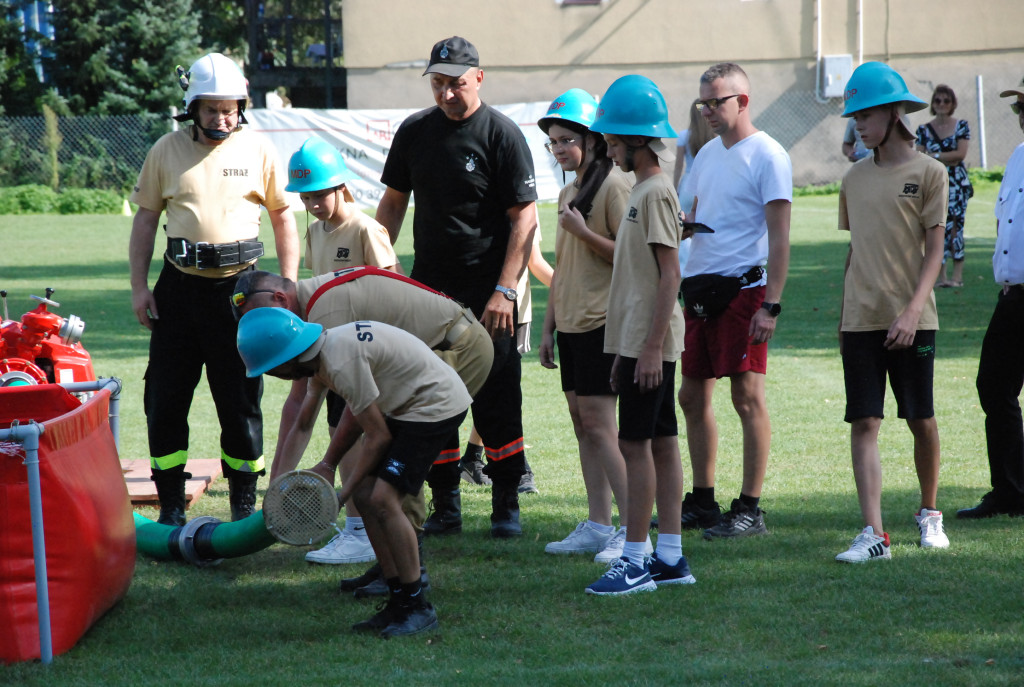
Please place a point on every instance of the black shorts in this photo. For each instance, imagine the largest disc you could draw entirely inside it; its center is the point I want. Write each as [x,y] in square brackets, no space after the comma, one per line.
[335,407]
[414,447]
[866,362]
[584,365]
[646,415]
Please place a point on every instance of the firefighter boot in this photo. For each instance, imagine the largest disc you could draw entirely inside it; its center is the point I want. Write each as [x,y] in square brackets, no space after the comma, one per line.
[242,494]
[505,508]
[170,489]
[446,517]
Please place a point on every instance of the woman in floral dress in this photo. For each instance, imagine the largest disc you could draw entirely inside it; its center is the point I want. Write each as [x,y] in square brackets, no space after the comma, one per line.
[946,139]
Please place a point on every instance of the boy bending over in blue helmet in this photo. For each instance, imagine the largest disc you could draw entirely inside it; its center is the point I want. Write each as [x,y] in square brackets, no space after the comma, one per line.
[406,403]
[893,203]
[644,331]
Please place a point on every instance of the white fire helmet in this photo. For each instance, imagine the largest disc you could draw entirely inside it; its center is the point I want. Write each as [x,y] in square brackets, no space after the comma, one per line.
[215,77]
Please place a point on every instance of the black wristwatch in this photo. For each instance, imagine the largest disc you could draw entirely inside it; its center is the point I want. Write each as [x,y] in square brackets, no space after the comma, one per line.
[773,308]
[510,294]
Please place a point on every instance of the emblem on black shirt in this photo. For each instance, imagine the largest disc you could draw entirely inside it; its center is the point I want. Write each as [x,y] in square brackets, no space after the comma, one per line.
[470,163]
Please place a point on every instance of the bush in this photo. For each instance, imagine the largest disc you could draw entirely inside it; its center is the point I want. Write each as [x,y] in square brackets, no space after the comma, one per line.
[37,200]
[817,190]
[978,175]
[82,201]
[29,199]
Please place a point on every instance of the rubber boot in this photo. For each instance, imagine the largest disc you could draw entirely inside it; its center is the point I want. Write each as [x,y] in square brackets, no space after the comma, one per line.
[505,509]
[170,489]
[446,517]
[242,494]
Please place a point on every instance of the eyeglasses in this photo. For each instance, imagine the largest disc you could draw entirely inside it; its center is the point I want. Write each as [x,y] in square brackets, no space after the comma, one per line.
[1017,107]
[714,103]
[560,143]
[941,101]
[238,299]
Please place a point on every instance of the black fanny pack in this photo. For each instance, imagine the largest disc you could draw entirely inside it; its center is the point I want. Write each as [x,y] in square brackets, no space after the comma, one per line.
[708,295]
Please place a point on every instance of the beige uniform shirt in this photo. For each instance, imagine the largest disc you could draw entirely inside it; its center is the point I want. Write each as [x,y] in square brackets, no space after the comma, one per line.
[211,193]
[887,210]
[372,362]
[434,319]
[360,240]
[651,218]
[584,278]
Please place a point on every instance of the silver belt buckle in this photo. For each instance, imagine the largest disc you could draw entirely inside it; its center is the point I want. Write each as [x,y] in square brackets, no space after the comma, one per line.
[199,245]
[181,258]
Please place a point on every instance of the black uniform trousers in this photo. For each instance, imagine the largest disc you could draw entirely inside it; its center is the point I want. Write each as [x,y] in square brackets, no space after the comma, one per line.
[195,328]
[1000,379]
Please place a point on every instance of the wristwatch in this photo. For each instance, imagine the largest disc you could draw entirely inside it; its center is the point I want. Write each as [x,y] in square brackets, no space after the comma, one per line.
[773,308]
[510,294]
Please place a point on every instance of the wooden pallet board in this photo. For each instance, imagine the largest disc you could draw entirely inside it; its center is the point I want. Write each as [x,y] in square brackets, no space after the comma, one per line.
[142,489]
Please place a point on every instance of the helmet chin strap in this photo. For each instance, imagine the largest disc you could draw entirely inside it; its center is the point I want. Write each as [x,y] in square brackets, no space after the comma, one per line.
[893,116]
[630,158]
[212,134]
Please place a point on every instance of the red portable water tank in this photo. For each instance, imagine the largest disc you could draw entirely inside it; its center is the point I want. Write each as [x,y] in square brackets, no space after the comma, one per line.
[87,520]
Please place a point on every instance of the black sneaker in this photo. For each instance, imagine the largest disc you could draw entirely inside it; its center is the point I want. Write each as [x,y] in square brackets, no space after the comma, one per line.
[527,485]
[350,584]
[739,521]
[410,621]
[695,517]
[386,612]
[378,587]
[473,471]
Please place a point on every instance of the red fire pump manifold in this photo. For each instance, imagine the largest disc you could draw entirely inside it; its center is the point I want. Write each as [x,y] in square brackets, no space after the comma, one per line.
[43,347]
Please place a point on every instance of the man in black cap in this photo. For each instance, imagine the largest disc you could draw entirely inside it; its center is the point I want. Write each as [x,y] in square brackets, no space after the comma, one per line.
[472,173]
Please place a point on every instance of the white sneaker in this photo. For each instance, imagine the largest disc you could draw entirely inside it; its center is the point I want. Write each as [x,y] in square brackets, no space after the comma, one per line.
[345,547]
[612,551]
[583,539]
[933,535]
[866,546]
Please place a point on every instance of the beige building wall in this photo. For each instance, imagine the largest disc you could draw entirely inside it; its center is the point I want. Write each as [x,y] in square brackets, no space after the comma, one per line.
[532,50]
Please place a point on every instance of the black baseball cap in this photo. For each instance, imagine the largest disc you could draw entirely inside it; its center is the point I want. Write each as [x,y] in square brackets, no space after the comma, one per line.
[452,57]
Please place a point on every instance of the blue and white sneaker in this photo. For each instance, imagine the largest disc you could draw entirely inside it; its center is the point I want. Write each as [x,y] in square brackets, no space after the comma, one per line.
[663,573]
[623,578]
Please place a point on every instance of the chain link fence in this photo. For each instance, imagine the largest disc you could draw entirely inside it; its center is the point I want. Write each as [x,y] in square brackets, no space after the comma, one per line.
[812,131]
[108,152]
[99,152]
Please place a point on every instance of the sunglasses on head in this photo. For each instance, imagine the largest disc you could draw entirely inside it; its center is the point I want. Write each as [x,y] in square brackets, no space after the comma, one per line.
[238,299]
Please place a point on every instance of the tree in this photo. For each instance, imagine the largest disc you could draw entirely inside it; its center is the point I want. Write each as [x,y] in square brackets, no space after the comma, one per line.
[222,26]
[119,57]
[20,89]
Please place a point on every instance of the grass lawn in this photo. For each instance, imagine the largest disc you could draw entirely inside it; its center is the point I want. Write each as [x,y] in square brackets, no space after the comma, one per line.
[773,610]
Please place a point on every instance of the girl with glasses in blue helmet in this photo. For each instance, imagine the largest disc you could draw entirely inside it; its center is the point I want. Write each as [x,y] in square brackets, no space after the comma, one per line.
[590,208]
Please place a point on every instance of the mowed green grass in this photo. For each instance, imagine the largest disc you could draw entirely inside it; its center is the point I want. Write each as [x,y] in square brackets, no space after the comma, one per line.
[773,610]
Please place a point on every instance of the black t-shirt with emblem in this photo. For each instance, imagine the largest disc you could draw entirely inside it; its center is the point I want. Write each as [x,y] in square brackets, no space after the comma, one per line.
[464,176]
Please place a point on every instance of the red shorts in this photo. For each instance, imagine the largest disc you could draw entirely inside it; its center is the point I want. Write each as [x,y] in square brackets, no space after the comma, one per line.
[720,346]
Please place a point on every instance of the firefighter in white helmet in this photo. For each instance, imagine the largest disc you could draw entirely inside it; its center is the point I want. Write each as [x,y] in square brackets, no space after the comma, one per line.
[210,179]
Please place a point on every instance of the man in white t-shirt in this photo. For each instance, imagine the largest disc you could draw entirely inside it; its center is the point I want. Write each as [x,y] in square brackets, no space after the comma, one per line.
[743,184]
